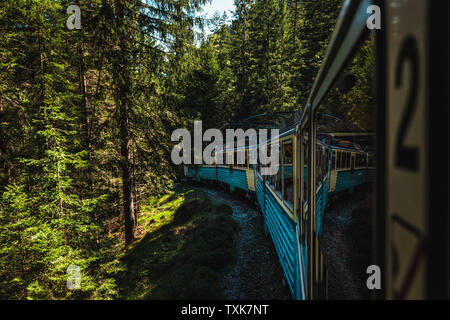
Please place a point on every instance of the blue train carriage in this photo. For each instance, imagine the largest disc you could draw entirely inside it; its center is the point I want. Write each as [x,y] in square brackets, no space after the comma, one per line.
[240,175]
[349,168]
[276,196]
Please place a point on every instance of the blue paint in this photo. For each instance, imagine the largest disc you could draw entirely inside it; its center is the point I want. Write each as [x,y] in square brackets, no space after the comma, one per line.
[239,179]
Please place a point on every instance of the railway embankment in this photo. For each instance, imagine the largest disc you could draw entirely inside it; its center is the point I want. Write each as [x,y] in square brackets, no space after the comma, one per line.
[256,272]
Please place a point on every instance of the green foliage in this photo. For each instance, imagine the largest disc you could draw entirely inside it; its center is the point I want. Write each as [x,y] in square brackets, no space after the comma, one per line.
[62,98]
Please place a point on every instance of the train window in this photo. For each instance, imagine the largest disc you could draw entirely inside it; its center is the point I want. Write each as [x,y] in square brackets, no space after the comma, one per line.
[347,114]
[305,173]
[230,157]
[320,163]
[216,158]
[333,161]
[338,160]
[277,177]
[362,163]
[240,158]
[246,153]
[269,153]
[344,160]
[288,181]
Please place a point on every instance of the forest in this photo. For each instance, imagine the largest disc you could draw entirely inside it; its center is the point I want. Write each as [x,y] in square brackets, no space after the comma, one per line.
[86,118]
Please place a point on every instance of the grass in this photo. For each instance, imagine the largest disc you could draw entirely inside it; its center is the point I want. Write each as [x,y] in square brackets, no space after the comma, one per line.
[185,243]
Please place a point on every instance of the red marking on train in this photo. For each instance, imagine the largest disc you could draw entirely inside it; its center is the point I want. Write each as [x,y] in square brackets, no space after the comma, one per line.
[412,270]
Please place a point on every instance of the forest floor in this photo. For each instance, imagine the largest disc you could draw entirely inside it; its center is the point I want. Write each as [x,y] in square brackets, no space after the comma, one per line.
[186,241]
[346,244]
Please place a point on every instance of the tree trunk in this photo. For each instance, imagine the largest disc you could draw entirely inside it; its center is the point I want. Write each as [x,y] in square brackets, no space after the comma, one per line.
[123,99]
[128,206]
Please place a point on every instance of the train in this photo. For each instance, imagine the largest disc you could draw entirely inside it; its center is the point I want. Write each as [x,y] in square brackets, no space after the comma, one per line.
[337,169]
[405,82]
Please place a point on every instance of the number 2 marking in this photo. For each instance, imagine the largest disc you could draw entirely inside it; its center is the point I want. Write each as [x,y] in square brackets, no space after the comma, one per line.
[407,157]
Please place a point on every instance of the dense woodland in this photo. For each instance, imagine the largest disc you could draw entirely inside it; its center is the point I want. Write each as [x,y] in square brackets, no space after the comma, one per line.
[86,116]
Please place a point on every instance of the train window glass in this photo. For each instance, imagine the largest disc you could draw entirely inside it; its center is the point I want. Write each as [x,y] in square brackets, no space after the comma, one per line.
[338,160]
[363,161]
[305,173]
[318,162]
[347,114]
[288,181]
[278,176]
[230,157]
[333,161]
[240,158]
[246,153]
[269,153]
[323,163]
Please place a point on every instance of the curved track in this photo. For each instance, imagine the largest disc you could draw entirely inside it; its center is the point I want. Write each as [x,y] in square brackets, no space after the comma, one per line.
[256,273]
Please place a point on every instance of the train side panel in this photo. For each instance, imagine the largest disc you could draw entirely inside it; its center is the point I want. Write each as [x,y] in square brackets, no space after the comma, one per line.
[282,231]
